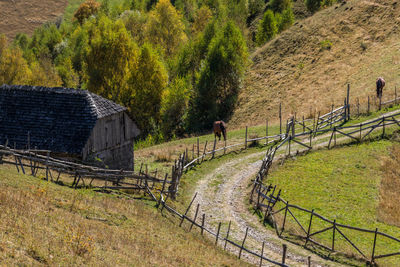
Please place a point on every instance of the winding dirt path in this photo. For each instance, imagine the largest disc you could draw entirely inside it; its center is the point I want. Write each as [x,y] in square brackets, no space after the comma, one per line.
[224,193]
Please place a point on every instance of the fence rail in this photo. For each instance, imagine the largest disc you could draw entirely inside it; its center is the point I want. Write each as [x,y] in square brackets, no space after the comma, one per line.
[261,193]
[30,161]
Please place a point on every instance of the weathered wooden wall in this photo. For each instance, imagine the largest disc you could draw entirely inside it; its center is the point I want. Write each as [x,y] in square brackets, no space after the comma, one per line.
[111,141]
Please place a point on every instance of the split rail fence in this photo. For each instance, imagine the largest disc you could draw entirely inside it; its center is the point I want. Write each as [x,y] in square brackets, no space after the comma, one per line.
[31,161]
[265,198]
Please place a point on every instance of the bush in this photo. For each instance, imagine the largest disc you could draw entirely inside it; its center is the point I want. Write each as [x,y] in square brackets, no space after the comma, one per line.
[280,5]
[267,28]
[85,10]
[313,5]
[286,20]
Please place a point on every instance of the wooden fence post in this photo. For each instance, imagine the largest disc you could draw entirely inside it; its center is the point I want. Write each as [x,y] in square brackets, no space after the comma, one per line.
[187,210]
[266,132]
[383,122]
[309,227]
[227,235]
[224,147]
[219,228]
[309,261]
[245,140]
[284,246]
[280,118]
[333,235]
[395,95]
[284,218]
[204,151]
[348,101]
[198,147]
[202,223]
[195,217]
[373,248]
[262,253]
[244,239]
[213,152]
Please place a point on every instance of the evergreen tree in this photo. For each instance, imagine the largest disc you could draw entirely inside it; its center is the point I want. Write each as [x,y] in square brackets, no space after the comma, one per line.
[267,28]
[280,5]
[313,5]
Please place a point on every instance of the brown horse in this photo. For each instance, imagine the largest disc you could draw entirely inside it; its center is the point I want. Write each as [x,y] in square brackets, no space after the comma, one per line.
[219,127]
[380,83]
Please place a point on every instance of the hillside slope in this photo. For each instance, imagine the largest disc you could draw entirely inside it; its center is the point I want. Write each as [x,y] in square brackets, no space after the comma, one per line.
[21,16]
[309,65]
[42,224]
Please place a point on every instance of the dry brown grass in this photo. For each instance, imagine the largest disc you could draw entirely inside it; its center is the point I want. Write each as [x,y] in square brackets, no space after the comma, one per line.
[21,16]
[45,224]
[294,70]
[389,200]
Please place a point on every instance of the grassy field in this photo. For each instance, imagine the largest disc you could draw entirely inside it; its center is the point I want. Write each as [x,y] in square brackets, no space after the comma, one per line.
[342,184]
[42,223]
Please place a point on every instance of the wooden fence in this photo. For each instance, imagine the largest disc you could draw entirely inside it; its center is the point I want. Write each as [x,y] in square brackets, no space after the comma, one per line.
[31,161]
[221,238]
[265,198]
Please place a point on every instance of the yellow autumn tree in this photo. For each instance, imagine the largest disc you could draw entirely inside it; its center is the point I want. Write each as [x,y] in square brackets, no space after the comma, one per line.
[203,16]
[85,10]
[109,59]
[13,67]
[165,27]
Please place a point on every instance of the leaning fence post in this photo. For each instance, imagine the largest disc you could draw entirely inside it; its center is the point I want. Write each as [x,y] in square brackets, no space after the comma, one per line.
[309,227]
[245,140]
[284,246]
[227,235]
[373,248]
[244,239]
[284,218]
[195,217]
[187,210]
[219,228]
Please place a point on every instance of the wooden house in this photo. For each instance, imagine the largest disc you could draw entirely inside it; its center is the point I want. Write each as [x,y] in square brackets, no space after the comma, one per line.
[68,122]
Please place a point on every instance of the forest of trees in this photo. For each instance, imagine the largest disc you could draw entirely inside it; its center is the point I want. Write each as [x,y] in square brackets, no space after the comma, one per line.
[176,65]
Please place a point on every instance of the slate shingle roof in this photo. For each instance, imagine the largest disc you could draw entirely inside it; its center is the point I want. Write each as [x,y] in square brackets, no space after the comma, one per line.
[57,119]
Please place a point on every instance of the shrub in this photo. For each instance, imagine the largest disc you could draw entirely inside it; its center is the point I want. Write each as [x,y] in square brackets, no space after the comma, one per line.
[325,45]
[313,5]
[267,28]
[280,5]
[286,20]
[85,10]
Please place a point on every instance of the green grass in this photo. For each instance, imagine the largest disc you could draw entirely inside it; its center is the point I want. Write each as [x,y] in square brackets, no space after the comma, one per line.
[343,185]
